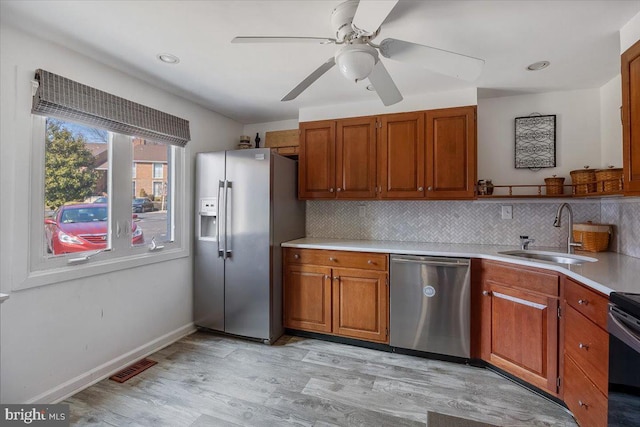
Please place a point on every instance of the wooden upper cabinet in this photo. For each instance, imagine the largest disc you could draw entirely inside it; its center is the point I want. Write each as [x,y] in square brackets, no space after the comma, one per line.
[451,153]
[401,156]
[356,158]
[630,70]
[317,167]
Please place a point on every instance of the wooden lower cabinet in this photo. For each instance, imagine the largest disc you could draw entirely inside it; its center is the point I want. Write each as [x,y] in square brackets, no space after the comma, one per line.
[334,298]
[360,304]
[307,298]
[583,398]
[519,327]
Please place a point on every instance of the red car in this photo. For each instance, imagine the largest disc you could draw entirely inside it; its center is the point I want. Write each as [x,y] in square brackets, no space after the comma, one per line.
[81,227]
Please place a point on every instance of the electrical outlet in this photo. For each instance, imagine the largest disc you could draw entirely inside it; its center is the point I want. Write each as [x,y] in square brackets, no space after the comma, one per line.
[362,211]
[507,212]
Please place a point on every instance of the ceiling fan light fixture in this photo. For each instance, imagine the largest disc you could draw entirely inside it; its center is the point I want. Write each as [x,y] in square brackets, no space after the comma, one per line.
[356,61]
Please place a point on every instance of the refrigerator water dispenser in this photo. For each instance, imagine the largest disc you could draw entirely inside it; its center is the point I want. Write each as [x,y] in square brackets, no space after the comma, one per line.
[208,219]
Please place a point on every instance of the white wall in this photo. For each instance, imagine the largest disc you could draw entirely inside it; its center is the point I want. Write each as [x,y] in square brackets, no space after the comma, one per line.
[429,101]
[610,123]
[262,128]
[577,134]
[630,33]
[58,337]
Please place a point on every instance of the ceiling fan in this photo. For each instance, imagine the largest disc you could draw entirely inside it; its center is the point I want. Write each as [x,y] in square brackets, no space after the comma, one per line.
[356,24]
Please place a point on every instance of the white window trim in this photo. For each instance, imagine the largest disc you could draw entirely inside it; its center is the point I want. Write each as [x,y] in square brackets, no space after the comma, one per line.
[43,270]
[153,170]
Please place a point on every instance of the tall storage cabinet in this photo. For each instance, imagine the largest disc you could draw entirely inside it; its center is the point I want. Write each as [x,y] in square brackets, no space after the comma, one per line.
[630,69]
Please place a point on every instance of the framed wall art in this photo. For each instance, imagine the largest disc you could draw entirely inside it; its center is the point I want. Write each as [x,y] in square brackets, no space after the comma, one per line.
[535,142]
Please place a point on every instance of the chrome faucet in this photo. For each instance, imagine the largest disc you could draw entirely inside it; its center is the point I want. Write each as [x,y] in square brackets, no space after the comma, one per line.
[558,222]
[525,241]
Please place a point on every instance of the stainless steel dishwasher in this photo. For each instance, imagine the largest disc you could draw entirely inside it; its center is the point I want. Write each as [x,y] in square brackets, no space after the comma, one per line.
[430,304]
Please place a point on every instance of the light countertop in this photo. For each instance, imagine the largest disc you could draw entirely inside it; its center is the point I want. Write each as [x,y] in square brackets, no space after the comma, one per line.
[612,272]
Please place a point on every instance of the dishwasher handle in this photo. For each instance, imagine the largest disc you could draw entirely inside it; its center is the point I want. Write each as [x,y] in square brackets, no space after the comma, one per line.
[439,262]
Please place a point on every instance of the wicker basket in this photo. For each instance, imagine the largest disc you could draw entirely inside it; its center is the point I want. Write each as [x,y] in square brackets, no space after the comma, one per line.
[609,180]
[584,180]
[554,186]
[594,237]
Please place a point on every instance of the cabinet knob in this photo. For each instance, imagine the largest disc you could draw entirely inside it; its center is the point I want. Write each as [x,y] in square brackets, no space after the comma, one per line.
[486,293]
[326,276]
[331,258]
[429,188]
[420,188]
[584,346]
[331,190]
[582,404]
[336,277]
[296,256]
[583,302]
[339,189]
[370,262]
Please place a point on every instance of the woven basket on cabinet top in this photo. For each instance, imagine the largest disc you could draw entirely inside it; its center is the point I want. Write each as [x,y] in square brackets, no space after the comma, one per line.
[594,237]
[584,180]
[609,180]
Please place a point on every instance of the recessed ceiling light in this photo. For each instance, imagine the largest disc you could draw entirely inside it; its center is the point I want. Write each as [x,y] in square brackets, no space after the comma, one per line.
[168,58]
[540,65]
[371,88]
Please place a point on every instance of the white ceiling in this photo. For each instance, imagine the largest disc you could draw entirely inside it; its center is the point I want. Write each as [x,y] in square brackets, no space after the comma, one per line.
[247,81]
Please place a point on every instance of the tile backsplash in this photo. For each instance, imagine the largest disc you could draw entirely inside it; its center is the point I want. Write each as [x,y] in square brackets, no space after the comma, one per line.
[476,222]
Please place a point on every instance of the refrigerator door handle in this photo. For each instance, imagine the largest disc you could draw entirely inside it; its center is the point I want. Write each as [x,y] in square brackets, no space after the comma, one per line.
[218,219]
[227,241]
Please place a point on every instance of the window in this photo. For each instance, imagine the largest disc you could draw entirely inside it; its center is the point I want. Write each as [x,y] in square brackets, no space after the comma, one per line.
[84,174]
[157,170]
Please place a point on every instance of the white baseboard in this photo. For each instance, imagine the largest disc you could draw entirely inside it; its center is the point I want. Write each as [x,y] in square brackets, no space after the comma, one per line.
[73,386]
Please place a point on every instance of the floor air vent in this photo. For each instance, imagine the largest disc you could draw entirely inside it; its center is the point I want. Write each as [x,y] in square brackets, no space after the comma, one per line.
[132,370]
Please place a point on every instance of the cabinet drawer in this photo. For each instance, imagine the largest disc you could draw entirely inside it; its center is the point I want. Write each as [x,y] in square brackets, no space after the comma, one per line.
[583,398]
[521,277]
[588,346]
[591,304]
[337,259]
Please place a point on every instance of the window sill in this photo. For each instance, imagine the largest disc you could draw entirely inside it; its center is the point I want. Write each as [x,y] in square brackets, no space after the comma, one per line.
[95,266]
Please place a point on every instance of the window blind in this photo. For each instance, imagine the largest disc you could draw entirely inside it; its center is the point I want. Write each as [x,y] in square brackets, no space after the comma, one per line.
[64,98]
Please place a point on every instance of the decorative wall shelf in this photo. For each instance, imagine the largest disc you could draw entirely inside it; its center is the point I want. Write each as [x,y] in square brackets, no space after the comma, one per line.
[516,191]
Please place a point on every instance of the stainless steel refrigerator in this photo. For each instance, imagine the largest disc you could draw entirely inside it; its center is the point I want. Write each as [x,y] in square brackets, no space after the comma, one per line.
[246,206]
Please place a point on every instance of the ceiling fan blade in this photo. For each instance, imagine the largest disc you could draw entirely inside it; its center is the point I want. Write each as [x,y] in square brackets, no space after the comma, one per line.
[310,79]
[441,61]
[384,85]
[268,39]
[372,13]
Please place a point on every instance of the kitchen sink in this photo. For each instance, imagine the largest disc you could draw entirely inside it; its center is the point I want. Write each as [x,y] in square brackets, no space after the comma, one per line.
[550,256]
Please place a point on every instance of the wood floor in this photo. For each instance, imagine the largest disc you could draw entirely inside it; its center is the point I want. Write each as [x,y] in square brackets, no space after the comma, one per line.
[212,380]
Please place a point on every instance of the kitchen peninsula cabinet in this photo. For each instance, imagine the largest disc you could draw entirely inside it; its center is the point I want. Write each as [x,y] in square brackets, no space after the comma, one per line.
[630,70]
[586,353]
[412,156]
[518,315]
[338,293]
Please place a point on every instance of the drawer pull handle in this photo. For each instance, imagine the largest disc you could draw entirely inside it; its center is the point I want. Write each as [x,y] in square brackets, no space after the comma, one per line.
[370,262]
[582,404]
[331,258]
[584,346]
[296,256]
[583,302]
[486,293]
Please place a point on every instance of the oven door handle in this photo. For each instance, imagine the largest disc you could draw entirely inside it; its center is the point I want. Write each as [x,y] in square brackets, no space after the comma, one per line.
[621,331]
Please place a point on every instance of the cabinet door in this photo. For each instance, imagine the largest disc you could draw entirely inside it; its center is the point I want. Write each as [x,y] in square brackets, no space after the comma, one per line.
[631,119]
[356,158]
[307,298]
[401,156]
[361,304]
[523,334]
[451,153]
[317,168]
